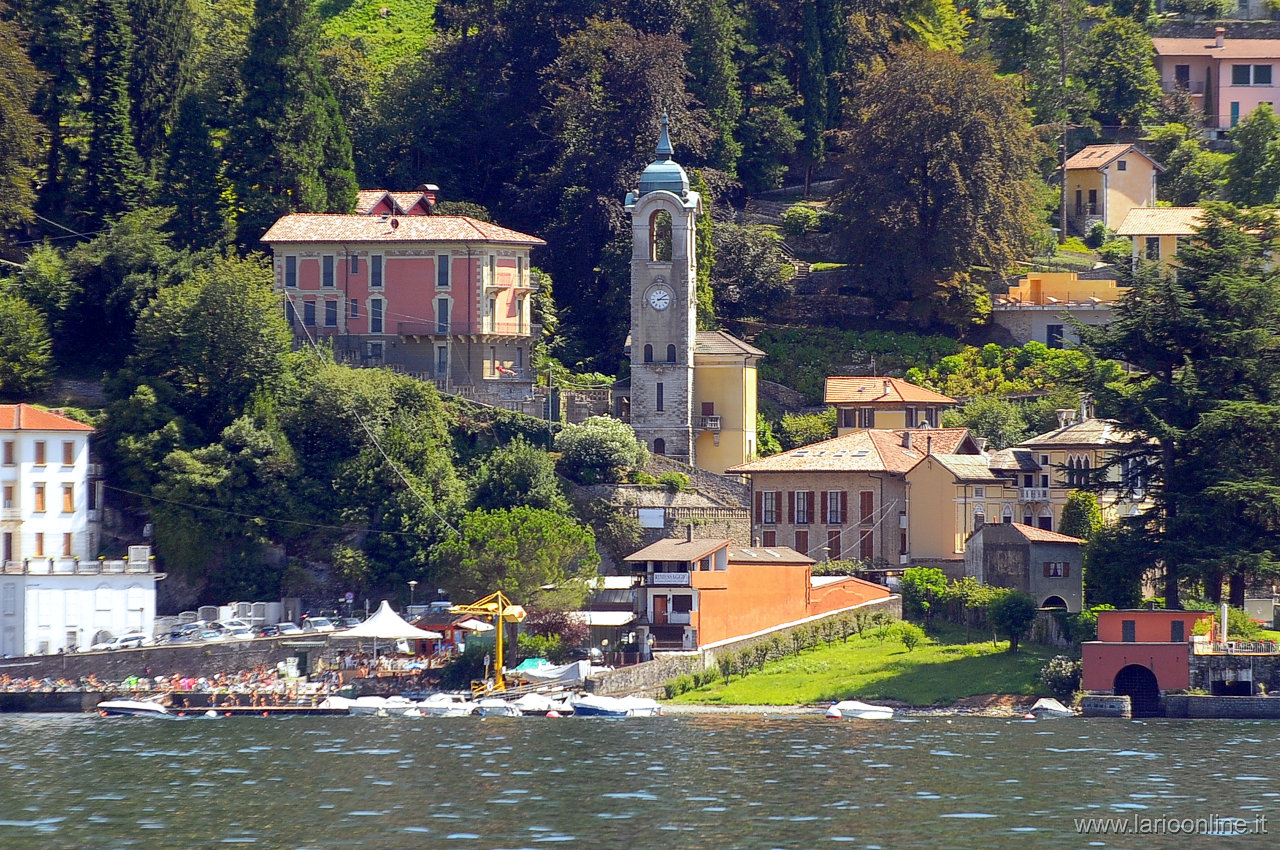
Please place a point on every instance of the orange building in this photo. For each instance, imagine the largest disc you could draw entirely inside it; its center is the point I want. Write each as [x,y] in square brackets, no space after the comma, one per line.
[1140,653]
[883,403]
[691,593]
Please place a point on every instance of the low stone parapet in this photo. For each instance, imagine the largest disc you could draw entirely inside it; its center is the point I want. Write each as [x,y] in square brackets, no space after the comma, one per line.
[1106,706]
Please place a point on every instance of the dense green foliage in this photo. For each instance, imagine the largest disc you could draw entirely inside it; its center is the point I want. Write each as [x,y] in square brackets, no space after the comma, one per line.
[1081,515]
[601,449]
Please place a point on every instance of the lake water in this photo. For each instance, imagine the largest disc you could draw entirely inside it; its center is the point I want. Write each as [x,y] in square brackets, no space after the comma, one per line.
[673,782]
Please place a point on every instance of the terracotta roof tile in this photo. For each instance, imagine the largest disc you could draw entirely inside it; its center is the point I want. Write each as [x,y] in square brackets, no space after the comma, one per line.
[859,390]
[1160,221]
[679,549]
[1232,48]
[24,417]
[864,450]
[1040,535]
[327,227]
[1096,157]
[719,342]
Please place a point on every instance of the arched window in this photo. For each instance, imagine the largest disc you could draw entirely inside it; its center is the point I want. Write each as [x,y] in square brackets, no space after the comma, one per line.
[1084,472]
[648,353]
[671,354]
[979,519]
[659,446]
[1071,472]
[660,237]
[1007,516]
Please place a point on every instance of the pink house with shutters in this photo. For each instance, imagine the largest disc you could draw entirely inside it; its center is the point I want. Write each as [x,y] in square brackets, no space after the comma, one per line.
[1227,78]
[446,298]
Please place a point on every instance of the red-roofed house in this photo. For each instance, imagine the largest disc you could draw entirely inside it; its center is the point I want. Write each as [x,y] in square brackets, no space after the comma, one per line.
[1104,182]
[694,592]
[448,298]
[883,403]
[1041,563]
[1227,77]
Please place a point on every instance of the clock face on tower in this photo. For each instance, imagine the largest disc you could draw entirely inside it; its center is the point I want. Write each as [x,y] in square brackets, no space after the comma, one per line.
[659,298]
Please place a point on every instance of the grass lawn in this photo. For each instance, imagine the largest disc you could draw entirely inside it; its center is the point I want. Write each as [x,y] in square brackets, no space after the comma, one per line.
[942,669]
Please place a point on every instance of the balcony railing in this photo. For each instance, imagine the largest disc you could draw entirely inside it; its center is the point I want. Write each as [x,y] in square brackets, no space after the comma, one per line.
[444,329]
[1035,494]
[709,423]
[10,514]
[75,566]
[1190,86]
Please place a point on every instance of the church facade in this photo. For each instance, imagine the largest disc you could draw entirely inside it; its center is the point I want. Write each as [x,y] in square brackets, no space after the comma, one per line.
[693,393]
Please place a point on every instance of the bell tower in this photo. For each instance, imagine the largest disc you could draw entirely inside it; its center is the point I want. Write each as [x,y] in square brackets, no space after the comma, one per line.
[663,305]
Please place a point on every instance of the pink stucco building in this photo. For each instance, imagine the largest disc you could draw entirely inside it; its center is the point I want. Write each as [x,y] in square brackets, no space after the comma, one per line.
[448,298]
[1227,77]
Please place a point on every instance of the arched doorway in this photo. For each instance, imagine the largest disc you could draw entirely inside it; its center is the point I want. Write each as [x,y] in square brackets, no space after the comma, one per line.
[660,446]
[1054,602]
[1143,691]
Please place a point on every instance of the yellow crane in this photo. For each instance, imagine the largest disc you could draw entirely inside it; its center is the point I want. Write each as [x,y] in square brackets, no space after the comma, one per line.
[499,607]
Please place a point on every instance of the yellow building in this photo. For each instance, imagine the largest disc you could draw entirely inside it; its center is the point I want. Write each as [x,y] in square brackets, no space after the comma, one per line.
[724,392]
[1038,307]
[1156,233]
[1104,182]
[884,403]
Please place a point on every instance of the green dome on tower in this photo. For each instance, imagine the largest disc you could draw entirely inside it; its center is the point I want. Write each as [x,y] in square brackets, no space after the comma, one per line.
[664,173]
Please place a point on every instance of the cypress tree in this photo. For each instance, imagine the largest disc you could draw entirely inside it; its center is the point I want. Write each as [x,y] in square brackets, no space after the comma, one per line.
[114,175]
[163,39]
[813,90]
[713,37]
[194,184]
[289,149]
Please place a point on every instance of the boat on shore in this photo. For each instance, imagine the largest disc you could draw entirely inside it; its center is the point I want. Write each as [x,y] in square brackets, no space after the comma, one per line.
[1049,707]
[590,705]
[132,708]
[852,709]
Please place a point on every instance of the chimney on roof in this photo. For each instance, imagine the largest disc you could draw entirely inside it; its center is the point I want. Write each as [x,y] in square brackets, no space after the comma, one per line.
[982,444]
[906,438]
[928,445]
[888,387]
[688,533]
[428,191]
[1220,37]
[1086,407]
[1066,416]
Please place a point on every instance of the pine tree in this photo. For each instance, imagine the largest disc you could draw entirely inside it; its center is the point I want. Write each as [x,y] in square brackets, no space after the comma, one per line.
[194,185]
[20,132]
[115,180]
[163,41]
[289,150]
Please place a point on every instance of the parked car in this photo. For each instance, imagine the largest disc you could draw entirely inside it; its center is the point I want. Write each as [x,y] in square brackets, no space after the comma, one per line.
[268,631]
[129,640]
[245,633]
[349,622]
[318,624]
[289,629]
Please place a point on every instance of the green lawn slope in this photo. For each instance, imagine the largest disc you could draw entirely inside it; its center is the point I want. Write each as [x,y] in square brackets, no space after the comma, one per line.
[390,38]
[940,670]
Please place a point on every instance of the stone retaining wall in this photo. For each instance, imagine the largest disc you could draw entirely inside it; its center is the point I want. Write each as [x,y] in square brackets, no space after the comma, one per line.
[644,679]
[892,606]
[1106,706]
[200,659]
[1188,705]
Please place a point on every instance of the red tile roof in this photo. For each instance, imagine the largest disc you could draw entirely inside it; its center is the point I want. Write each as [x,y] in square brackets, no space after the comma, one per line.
[864,450]
[24,417]
[328,227]
[1232,48]
[854,390]
[1040,535]
[679,549]
[1098,157]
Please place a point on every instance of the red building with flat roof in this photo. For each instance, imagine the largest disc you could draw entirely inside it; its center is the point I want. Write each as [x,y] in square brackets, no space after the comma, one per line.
[1141,653]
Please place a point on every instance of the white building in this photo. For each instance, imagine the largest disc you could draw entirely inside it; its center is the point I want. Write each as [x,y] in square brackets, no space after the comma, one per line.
[54,593]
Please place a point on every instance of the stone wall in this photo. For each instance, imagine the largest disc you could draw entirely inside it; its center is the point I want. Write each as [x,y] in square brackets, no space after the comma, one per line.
[1259,668]
[1105,706]
[728,490]
[200,659]
[891,606]
[644,679]
[1188,705]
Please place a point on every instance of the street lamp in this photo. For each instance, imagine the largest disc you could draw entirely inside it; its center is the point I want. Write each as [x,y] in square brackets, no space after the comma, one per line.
[412,586]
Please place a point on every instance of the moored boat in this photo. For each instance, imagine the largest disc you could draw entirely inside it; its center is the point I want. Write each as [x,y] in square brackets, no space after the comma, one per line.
[132,708]
[494,707]
[446,705]
[590,705]
[852,709]
[395,706]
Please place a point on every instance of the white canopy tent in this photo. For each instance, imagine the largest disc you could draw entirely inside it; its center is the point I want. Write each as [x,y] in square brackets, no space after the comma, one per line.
[385,624]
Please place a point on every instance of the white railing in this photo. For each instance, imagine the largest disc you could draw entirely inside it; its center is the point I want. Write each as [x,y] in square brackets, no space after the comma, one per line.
[709,423]
[1035,494]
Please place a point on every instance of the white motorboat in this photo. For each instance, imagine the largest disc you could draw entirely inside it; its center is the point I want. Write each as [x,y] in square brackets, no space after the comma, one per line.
[446,705]
[590,705]
[395,706]
[132,708]
[1049,707]
[337,702]
[494,707]
[852,709]
[539,704]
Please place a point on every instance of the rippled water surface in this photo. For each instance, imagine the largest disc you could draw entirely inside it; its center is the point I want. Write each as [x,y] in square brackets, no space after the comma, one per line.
[673,782]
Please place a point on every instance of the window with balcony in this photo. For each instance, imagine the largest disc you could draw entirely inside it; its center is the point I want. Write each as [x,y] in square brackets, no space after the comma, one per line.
[493,314]
[442,361]
[66,544]
[68,498]
[7,496]
[375,315]
[39,500]
[326,271]
[39,544]
[39,450]
[375,271]
[68,453]
[290,271]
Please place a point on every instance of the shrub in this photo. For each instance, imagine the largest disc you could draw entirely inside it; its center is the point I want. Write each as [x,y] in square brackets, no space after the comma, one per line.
[800,219]
[675,482]
[1240,626]
[1012,613]
[601,449]
[1061,677]
[922,588]
[1096,236]
[910,634]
